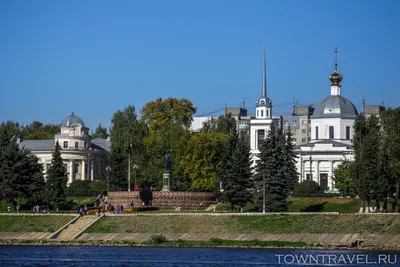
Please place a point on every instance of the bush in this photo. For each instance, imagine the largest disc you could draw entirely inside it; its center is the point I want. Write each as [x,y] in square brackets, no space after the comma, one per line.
[146,208]
[307,187]
[85,188]
[157,239]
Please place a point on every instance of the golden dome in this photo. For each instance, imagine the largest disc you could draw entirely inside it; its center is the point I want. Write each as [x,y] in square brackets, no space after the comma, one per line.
[336,78]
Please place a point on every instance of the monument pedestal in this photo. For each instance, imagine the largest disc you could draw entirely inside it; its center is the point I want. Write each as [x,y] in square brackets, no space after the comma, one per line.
[166,181]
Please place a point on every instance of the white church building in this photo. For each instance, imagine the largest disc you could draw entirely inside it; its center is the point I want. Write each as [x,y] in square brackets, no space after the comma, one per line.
[83,157]
[331,137]
[331,133]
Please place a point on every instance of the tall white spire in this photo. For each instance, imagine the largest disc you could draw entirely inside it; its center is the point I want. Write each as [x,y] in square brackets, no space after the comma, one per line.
[264,81]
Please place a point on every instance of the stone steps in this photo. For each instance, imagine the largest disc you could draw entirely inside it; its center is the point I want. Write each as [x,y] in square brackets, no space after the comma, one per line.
[74,228]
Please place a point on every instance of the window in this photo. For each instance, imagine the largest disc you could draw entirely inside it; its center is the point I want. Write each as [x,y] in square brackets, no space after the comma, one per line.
[262,113]
[84,144]
[347,132]
[308,176]
[267,112]
[65,144]
[76,168]
[76,145]
[303,131]
[303,140]
[294,123]
[257,112]
[323,181]
[261,135]
[285,123]
[316,133]
[331,132]
[303,122]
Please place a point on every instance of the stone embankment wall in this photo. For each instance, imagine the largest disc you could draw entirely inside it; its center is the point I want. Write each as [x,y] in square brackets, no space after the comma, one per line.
[166,200]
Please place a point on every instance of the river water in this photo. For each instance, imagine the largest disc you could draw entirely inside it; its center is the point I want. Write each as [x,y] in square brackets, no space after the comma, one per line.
[178,257]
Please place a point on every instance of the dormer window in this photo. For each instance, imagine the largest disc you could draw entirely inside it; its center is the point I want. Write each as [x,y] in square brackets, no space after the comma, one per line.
[262,112]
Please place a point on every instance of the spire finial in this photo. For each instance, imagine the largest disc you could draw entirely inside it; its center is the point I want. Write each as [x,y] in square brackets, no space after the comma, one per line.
[264,88]
[336,55]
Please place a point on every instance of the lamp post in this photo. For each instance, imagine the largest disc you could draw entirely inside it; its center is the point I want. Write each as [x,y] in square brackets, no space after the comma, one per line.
[129,167]
[263,193]
[311,164]
[135,167]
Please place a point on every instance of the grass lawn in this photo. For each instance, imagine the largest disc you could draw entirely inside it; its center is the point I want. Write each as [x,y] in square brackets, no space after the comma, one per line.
[311,204]
[32,223]
[274,224]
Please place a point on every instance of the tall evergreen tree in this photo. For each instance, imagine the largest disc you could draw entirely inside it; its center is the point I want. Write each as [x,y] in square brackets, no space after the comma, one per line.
[56,183]
[20,173]
[271,174]
[290,158]
[236,171]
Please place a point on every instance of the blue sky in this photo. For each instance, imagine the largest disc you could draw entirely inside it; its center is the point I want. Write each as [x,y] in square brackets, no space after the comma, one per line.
[94,57]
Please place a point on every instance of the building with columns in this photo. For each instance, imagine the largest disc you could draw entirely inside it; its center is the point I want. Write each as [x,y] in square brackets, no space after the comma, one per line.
[260,125]
[83,157]
[331,137]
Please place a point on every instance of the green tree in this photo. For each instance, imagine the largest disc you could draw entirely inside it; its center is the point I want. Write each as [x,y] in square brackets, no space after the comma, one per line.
[270,171]
[290,159]
[200,159]
[222,124]
[11,128]
[342,177]
[127,133]
[101,132]
[168,121]
[236,171]
[160,115]
[38,131]
[20,173]
[366,172]
[56,182]
[307,187]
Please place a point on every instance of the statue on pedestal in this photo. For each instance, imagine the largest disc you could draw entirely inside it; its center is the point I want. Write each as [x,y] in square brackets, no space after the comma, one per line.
[167,173]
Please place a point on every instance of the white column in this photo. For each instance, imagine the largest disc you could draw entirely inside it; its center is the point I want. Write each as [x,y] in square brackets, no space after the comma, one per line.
[317,179]
[92,170]
[330,175]
[71,171]
[83,169]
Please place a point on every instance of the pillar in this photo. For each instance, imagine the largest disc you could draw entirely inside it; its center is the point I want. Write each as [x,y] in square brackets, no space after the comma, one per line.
[83,169]
[71,171]
[92,170]
[330,176]
[317,179]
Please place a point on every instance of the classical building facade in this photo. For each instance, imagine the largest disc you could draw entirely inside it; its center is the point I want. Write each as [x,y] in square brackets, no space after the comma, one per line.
[331,137]
[83,156]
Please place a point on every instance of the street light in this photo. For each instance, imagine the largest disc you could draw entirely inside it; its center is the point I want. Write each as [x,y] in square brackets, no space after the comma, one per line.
[135,167]
[263,193]
[129,167]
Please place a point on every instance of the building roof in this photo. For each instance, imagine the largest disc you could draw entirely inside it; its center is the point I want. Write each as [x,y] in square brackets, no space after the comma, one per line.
[38,145]
[71,121]
[101,144]
[335,106]
[325,141]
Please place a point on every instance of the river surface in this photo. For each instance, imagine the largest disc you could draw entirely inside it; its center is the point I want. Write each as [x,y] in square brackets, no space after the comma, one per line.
[60,256]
